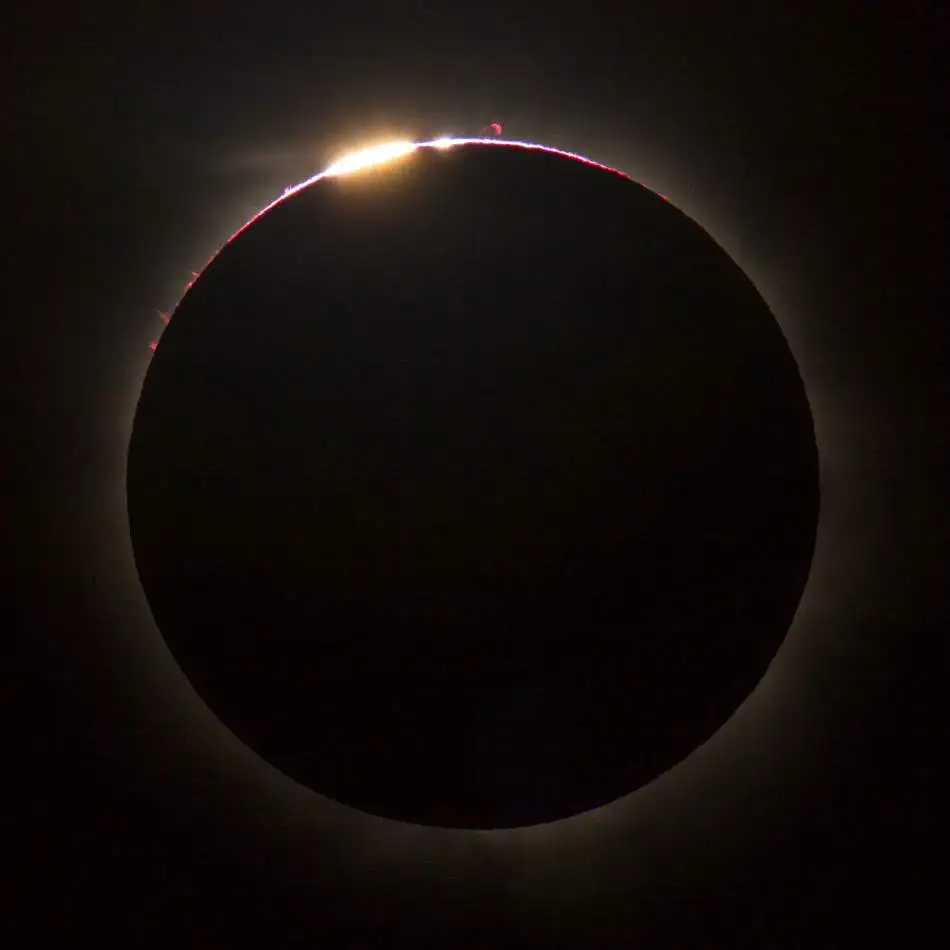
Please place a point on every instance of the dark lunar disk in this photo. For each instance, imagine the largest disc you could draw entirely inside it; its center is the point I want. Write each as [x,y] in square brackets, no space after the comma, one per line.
[476,490]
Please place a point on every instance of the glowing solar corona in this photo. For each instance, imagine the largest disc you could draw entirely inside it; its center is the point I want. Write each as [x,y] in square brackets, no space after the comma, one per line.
[379,156]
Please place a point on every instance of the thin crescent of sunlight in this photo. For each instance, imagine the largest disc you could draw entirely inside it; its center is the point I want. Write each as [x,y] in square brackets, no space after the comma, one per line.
[368,157]
[383,153]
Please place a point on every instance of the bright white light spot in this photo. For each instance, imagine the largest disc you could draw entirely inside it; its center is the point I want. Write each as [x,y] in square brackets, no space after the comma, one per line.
[368,157]
[445,142]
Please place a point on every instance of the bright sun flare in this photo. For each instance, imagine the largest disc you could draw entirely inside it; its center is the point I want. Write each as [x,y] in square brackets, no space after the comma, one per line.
[367,157]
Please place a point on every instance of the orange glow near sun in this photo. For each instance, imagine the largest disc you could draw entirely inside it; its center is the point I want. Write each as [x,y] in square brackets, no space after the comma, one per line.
[369,157]
[378,156]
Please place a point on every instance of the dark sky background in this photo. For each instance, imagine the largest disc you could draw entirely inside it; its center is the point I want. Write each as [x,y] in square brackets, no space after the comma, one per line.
[805,141]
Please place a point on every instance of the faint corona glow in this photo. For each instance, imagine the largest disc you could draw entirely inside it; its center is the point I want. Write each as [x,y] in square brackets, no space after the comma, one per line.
[380,155]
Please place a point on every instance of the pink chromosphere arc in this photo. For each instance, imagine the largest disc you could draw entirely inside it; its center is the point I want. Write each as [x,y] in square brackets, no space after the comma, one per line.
[388,153]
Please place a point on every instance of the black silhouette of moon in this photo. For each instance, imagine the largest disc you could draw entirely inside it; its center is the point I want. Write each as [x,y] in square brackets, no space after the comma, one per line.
[476,490]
